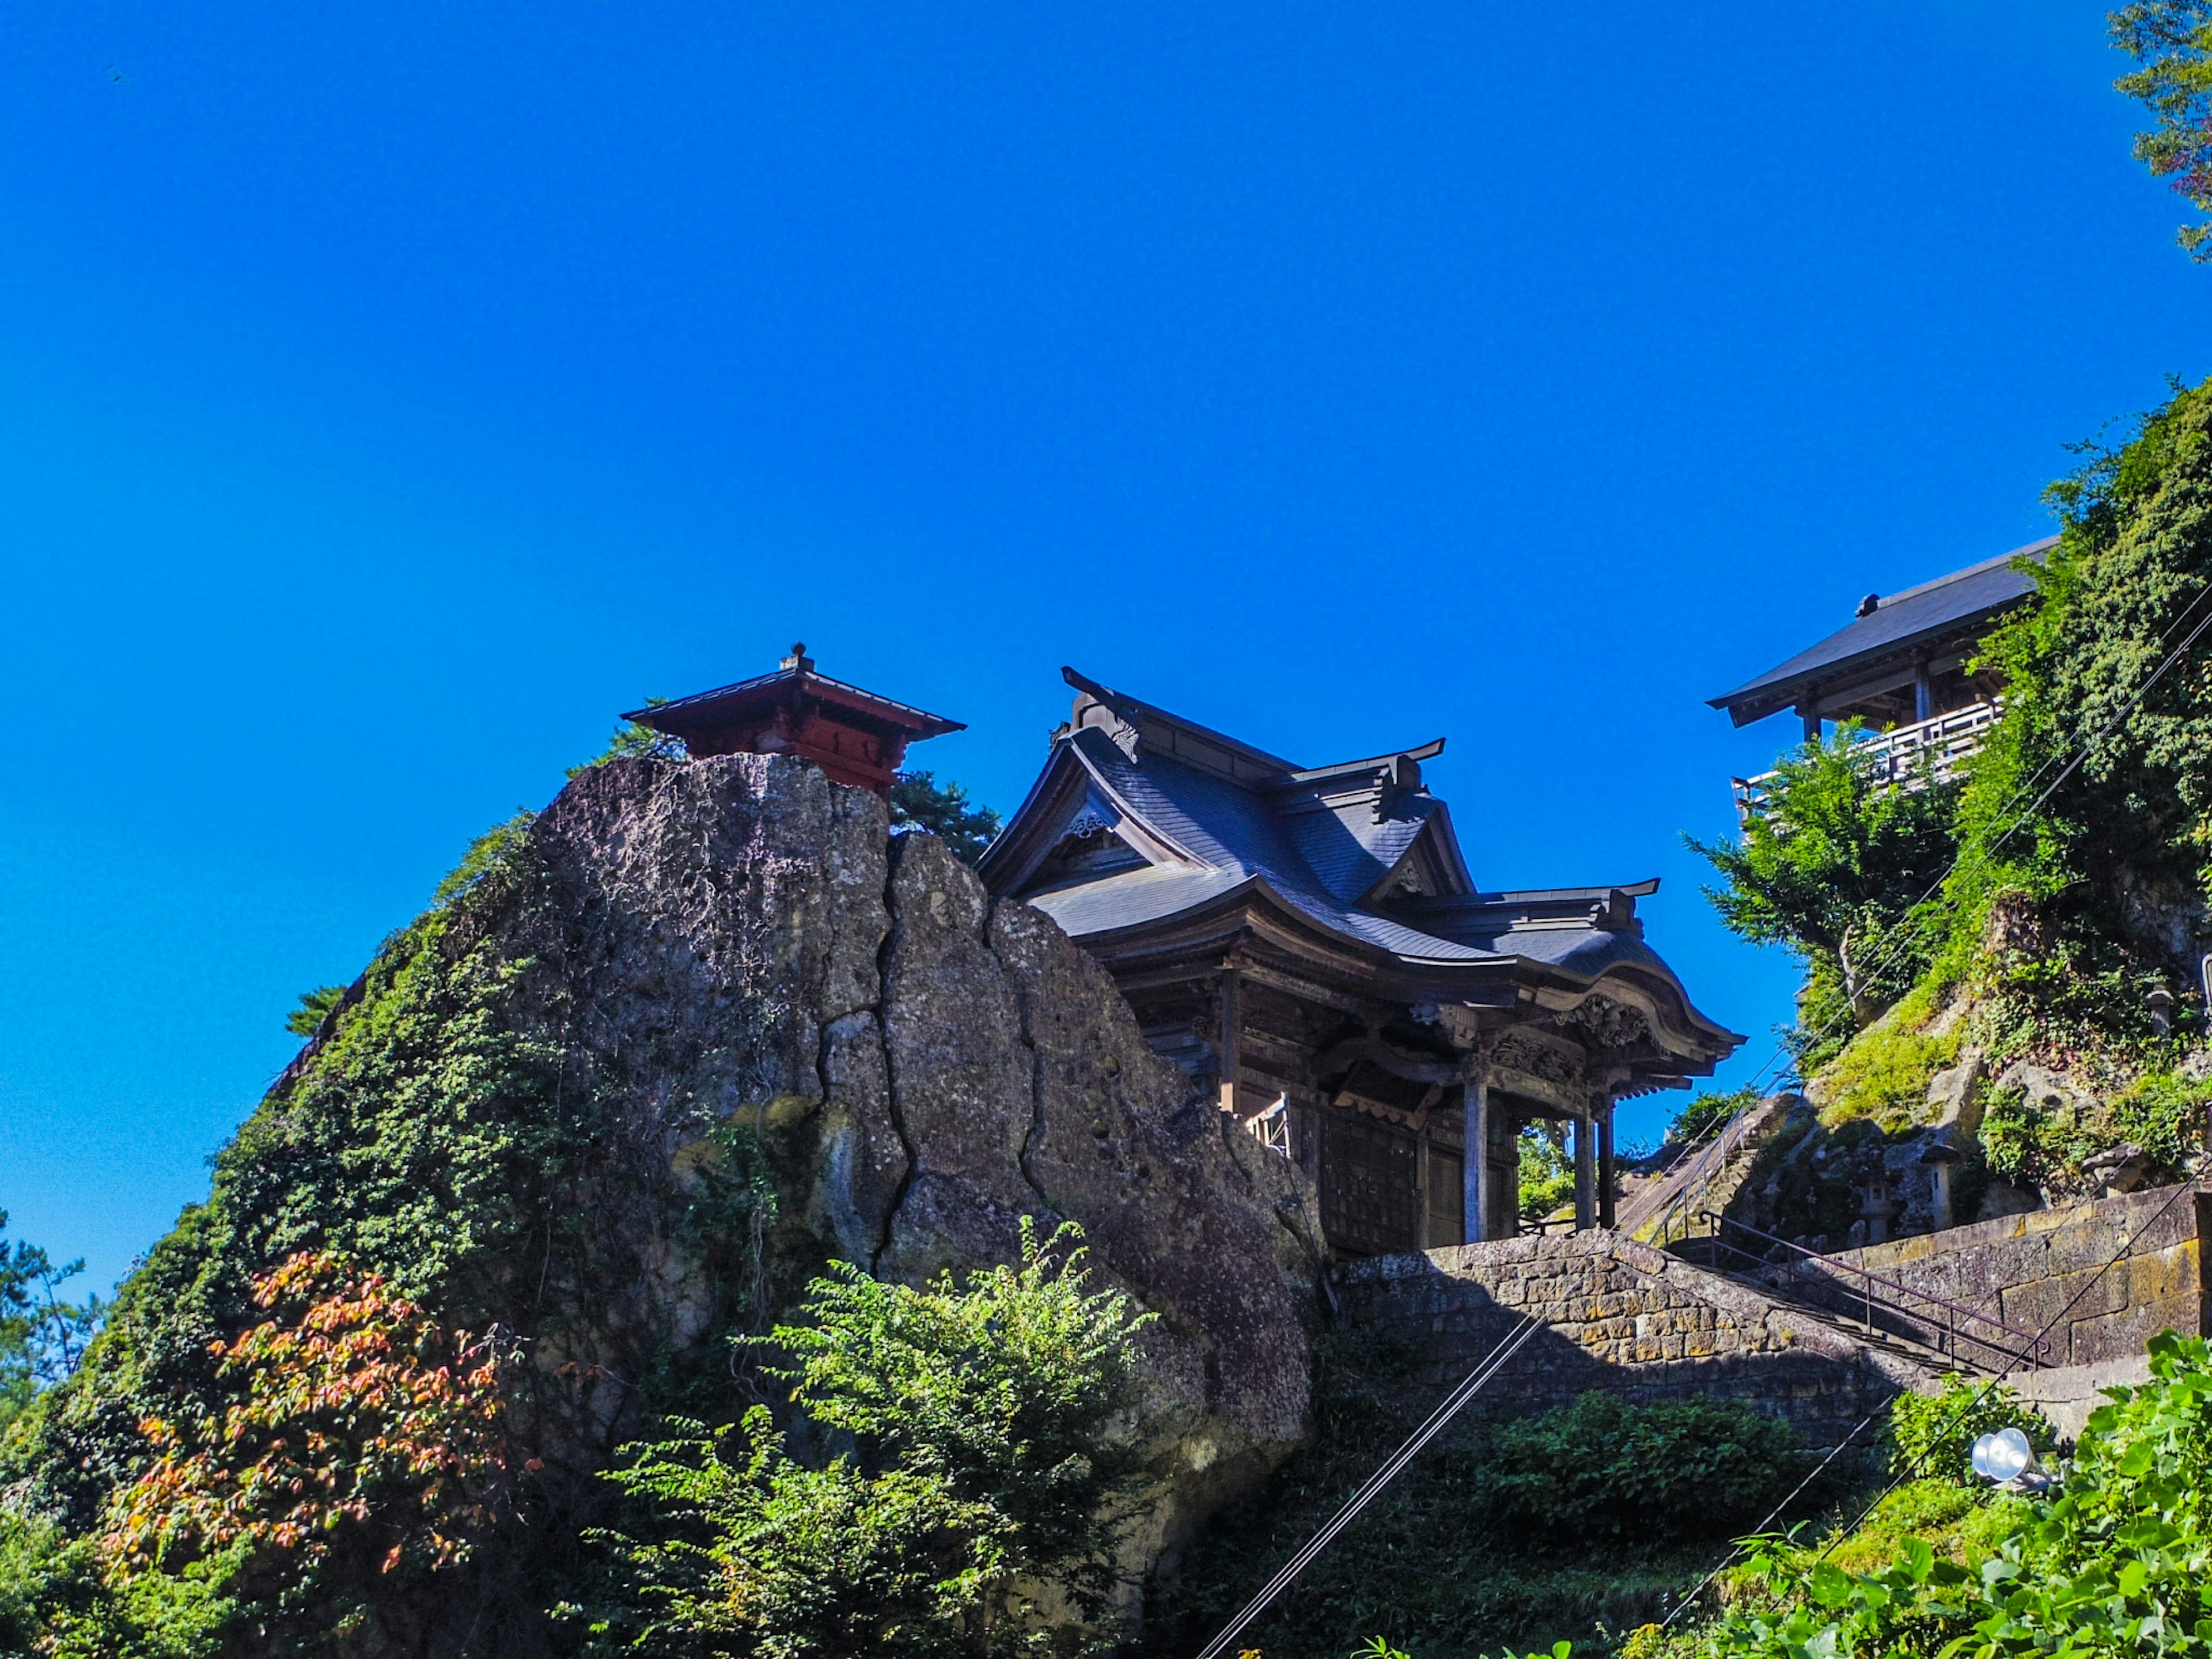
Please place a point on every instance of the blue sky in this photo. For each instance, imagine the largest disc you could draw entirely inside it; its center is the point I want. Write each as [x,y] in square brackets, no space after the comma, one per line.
[390,395]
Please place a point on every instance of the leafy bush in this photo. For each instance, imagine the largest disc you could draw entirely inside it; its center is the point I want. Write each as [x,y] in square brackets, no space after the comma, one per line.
[1447,1561]
[42,1337]
[920,802]
[1837,868]
[365,1447]
[978,1415]
[1547,1173]
[315,1006]
[2164,1114]
[1707,1111]
[2113,1564]
[634,740]
[1603,1469]
[1933,1435]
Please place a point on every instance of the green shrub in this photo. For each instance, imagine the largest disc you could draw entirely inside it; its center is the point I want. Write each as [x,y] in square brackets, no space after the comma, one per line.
[2164,1114]
[977,1417]
[1547,1173]
[1603,1469]
[1707,1110]
[2111,1564]
[1933,1435]
[1836,869]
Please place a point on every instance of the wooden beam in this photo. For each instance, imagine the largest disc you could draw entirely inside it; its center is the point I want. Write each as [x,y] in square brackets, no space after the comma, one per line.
[1232,1040]
[1606,1174]
[1474,1167]
[1585,1173]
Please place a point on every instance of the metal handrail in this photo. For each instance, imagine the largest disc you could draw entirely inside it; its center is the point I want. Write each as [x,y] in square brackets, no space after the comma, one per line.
[1896,756]
[1699,1163]
[1953,1310]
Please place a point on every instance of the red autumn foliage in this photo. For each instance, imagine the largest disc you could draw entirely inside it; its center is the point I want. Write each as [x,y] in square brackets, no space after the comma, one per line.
[365,1437]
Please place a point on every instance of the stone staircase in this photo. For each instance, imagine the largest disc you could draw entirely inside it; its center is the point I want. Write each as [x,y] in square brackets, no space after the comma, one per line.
[1664,1208]
[1625,1317]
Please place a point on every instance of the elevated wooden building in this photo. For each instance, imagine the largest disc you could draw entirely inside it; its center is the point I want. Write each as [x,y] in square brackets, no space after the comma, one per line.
[855,736]
[1308,943]
[1904,668]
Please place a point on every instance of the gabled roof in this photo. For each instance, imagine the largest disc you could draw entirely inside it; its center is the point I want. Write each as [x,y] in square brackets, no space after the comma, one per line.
[1954,607]
[797,678]
[1220,823]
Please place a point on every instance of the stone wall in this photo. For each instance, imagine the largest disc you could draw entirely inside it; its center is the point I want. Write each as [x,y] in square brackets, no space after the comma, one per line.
[1624,1317]
[2101,1279]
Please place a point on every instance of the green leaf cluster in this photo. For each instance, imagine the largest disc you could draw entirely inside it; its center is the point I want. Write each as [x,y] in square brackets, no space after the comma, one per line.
[2116,1562]
[920,802]
[1842,868]
[981,1464]
[2172,40]
[1580,1521]
[1547,1173]
[1932,1435]
[42,1335]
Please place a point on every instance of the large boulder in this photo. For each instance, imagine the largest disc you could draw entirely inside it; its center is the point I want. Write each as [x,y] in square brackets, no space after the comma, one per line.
[745,942]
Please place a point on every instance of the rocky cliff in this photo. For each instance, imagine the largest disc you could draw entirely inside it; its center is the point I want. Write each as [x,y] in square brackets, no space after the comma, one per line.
[653,1058]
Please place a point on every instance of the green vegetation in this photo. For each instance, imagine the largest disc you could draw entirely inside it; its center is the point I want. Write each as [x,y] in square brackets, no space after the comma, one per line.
[1547,1173]
[1840,871]
[2113,1563]
[920,802]
[2172,40]
[982,1467]
[1580,1521]
[2110,1564]
[1932,1435]
[2067,878]
[42,1337]
[315,1006]
[633,740]
[1707,1111]
[1883,1076]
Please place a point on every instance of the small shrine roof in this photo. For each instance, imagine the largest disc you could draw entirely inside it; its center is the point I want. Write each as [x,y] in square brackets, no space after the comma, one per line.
[1949,607]
[798,677]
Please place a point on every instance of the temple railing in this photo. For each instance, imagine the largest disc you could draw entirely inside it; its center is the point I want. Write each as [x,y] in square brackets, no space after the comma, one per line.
[1907,756]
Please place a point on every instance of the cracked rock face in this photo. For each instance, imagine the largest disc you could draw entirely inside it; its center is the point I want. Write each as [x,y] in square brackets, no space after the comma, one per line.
[746,937]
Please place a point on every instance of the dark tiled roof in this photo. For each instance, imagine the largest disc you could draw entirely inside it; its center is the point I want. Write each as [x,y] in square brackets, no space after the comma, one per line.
[1952,604]
[1317,846]
[682,710]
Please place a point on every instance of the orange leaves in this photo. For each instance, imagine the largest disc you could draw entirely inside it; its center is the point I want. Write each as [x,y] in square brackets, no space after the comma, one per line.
[362,1434]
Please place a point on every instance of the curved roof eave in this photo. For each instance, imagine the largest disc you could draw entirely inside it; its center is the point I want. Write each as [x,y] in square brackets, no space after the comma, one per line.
[1444,976]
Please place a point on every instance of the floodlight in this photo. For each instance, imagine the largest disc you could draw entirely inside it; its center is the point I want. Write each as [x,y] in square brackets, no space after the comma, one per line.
[2005,1458]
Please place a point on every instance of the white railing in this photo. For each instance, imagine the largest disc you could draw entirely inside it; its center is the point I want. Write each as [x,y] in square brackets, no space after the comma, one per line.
[1927,752]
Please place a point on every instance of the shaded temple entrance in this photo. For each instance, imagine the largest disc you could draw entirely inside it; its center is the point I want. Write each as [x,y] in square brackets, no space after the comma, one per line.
[1309,944]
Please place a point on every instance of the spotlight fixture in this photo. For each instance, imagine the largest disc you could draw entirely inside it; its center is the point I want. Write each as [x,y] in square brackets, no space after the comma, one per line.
[2007,1459]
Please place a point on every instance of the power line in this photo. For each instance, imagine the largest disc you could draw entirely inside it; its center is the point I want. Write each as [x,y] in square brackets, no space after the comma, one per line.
[1912,1469]
[1434,1424]
[2079,755]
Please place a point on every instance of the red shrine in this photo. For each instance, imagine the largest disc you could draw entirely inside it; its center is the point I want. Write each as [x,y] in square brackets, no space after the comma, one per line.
[855,736]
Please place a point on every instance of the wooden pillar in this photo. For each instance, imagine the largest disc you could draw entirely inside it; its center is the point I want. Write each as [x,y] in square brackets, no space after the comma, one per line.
[1421,1182]
[1229,1045]
[1605,1170]
[1809,711]
[1585,1173]
[1924,691]
[1474,1178]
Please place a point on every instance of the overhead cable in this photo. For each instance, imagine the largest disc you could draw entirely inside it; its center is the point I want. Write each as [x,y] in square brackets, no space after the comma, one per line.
[1434,1424]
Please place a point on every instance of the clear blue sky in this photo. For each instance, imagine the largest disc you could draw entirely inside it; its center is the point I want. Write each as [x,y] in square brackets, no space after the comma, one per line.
[391,394]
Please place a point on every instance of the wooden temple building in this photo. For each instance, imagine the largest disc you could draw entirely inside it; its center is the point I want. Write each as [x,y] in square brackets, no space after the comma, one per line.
[855,736]
[1904,668]
[1308,943]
